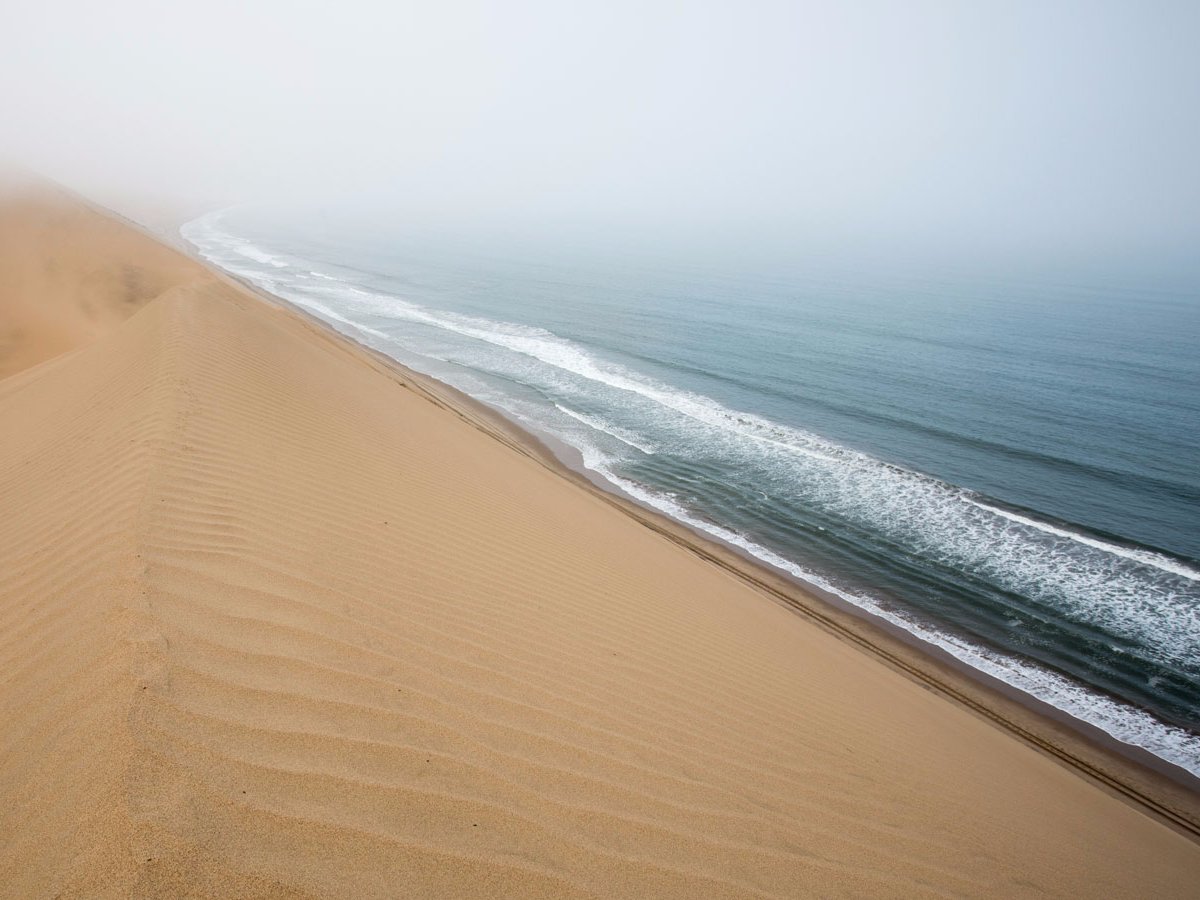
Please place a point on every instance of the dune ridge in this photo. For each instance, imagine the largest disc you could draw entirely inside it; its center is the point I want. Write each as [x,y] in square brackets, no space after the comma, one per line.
[274,624]
[68,276]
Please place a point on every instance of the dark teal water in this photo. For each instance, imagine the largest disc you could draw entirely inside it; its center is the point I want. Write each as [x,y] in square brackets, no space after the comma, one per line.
[1005,466]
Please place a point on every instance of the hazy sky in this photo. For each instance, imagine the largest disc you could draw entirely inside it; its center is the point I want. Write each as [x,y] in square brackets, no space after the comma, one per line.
[1045,124]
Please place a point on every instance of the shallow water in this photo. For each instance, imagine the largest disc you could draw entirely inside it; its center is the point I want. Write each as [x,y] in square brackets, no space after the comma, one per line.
[1006,468]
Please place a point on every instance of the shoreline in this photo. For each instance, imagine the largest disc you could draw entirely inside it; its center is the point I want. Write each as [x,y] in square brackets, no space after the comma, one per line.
[285,618]
[1156,786]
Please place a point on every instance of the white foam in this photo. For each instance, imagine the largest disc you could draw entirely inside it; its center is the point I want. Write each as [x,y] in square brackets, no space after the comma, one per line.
[327,313]
[613,431]
[1144,557]
[204,232]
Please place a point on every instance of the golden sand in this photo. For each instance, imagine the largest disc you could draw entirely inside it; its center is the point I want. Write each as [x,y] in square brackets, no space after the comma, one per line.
[276,623]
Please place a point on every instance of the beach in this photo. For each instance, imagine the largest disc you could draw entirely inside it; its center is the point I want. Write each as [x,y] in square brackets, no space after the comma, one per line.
[834,424]
[282,619]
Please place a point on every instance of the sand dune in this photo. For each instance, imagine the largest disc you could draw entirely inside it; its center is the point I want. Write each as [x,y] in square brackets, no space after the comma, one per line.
[275,624]
[67,275]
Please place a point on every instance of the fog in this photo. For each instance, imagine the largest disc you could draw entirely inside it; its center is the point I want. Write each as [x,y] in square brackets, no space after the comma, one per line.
[1048,127]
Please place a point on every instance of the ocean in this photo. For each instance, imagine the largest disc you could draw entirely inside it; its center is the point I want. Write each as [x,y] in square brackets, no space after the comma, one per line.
[1003,463]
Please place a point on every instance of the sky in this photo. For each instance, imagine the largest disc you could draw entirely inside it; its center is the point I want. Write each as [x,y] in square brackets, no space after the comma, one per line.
[1047,127]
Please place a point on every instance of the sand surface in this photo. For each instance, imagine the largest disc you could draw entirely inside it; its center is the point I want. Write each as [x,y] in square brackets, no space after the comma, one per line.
[275,624]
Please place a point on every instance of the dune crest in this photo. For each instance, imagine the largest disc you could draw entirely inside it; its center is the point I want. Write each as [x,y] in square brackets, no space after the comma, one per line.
[69,273]
[274,624]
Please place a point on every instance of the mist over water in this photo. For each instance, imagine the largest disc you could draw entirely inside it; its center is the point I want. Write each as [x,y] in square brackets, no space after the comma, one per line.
[1003,465]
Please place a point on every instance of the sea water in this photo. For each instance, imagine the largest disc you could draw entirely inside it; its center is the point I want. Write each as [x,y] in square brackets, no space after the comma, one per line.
[1006,466]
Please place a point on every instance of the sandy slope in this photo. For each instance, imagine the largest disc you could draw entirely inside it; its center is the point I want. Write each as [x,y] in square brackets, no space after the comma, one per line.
[274,624]
[67,275]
